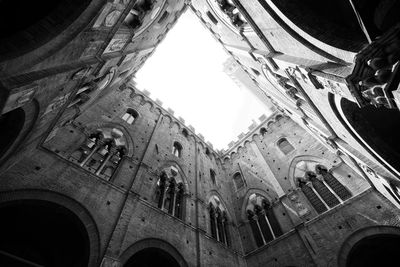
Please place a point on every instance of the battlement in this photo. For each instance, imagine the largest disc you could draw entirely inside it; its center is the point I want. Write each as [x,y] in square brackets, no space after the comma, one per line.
[169,111]
[255,129]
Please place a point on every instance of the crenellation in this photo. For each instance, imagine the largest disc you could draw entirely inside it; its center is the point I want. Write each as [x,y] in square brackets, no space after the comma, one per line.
[313,183]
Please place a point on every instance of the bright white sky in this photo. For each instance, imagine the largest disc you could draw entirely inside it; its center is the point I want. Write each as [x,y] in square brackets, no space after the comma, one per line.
[186,74]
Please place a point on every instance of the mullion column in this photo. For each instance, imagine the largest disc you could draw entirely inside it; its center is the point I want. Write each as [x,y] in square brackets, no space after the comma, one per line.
[111,152]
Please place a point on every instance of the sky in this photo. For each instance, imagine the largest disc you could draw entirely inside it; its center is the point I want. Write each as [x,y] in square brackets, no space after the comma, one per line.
[186,74]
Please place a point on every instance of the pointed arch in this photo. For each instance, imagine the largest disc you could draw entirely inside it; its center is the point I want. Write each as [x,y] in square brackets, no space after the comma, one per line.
[219,219]
[261,218]
[296,160]
[249,192]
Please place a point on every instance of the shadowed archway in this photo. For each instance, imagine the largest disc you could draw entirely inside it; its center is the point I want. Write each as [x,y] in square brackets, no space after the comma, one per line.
[152,252]
[371,246]
[41,228]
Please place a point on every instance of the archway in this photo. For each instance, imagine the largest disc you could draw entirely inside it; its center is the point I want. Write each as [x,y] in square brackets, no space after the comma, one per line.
[152,252]
[377,250]
[342,31]
[371,246]
[42,233]
[152,257]
[376,127]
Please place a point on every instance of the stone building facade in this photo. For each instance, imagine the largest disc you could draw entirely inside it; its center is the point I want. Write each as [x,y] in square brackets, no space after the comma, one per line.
[95,173]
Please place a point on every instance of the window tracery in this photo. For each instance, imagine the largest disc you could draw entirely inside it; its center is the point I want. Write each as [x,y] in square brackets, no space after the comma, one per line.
[320,186]
[219,224]
[263,223]
[170,192]
[101,152]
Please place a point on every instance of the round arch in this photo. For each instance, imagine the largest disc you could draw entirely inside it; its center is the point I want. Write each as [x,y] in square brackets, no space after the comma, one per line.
[378,246]
[152,245]
[49,211]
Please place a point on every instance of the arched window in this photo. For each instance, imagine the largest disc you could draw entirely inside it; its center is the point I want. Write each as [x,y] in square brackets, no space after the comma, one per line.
[99,153]
[263,131]
[170,193]
[212,176]
[185,133]
[262,220]
[219,221]
[285,146]
[208,152]
[130,116]
[238,180]
[177,149]
[320,187]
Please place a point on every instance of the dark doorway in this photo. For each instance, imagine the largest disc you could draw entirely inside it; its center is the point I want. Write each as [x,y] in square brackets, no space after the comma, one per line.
[378,250]
[152,257]
[378,127]
[40,233]
[11,124]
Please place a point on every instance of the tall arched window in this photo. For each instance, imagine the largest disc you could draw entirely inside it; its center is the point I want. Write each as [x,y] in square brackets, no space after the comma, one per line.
[208,153]
[177,149]
[100,153]
[238,180]
[130,116]
[170,193]
[212,176]
[219,221]
[320,187]
[285,146]
[262,220]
